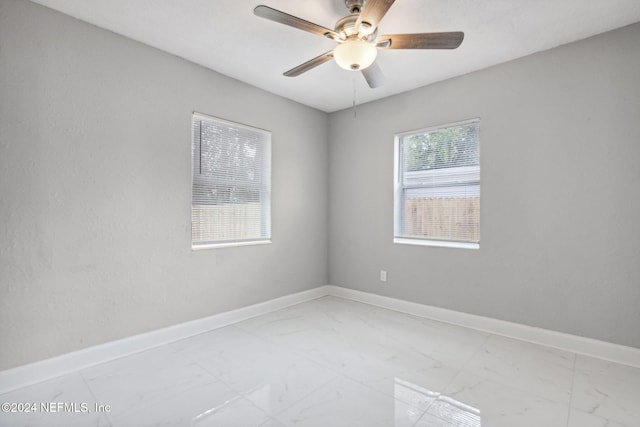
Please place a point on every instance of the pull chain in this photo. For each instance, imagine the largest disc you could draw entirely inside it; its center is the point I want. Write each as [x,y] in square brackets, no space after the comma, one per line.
[355,112]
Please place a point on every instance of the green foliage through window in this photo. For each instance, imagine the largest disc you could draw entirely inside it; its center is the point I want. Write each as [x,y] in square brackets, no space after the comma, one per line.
[442,148]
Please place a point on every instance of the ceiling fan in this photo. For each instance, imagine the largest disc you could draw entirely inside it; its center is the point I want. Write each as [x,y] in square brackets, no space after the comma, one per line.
[357,35]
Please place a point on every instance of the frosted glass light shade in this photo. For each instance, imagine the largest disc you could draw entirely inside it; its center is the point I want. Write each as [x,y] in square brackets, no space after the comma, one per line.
[355,54]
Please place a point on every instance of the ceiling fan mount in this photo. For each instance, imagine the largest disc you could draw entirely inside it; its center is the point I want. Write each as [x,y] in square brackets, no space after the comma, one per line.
[357,36]
[354,6]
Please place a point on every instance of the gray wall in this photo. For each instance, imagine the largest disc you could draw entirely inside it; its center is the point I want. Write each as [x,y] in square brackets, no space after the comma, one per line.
[95,189]
[560,209]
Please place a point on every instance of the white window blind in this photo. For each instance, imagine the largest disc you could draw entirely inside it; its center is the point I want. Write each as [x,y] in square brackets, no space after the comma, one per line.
[438,184]
[231,183]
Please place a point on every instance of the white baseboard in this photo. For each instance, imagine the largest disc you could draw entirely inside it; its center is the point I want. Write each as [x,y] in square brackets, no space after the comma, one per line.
[32,373]
[573,343]
[36,372]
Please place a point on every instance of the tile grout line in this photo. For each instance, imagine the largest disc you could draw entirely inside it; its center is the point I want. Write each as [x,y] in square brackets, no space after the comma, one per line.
[573,380]
[93,394]
[286,408]
[461,370]
[239,394]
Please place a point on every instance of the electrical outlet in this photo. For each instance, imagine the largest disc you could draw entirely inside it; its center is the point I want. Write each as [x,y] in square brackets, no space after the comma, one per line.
[383,275]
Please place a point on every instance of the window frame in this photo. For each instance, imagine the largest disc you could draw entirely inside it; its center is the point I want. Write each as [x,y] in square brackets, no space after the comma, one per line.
[265,208]
[398,211]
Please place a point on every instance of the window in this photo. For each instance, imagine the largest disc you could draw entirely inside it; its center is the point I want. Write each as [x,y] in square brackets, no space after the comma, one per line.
[438,186]
[231,184]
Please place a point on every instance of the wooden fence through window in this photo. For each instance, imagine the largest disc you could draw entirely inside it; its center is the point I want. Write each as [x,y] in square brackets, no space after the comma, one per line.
[455,219]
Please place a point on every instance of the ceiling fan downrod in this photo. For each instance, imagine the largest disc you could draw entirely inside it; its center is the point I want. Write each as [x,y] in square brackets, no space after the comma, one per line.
[354,6]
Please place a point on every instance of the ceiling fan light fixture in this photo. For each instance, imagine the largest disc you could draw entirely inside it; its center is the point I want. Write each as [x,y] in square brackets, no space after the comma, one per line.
[355,54]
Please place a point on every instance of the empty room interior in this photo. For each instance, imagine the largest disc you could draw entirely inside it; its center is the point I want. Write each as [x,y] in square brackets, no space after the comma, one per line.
[285,213]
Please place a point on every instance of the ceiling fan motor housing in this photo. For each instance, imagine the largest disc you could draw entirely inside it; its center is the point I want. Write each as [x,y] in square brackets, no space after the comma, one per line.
[346,26]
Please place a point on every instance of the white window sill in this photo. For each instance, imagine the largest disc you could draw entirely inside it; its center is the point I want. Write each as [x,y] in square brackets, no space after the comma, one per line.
[229,244]
[436,243]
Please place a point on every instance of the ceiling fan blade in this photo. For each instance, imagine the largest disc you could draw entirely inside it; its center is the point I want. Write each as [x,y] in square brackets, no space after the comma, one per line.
[295,22]
[374,76]
[373,11]
[450,40]
[302,68]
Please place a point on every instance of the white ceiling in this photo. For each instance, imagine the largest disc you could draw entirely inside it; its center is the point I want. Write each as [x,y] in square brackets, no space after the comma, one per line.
[225,36]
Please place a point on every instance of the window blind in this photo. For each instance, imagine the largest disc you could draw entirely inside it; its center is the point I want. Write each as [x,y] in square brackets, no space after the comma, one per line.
[231,183]
[438,188]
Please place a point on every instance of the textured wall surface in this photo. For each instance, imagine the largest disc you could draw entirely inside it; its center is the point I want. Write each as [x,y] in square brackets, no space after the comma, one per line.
[95,188]
[560,209]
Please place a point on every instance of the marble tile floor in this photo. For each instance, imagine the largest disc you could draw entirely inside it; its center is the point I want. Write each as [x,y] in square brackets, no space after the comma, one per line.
[335,362]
